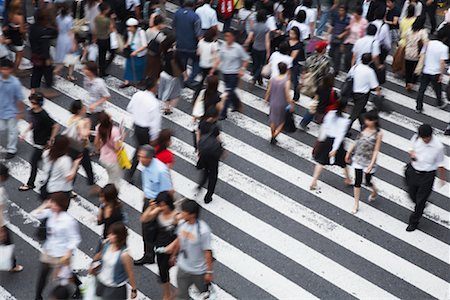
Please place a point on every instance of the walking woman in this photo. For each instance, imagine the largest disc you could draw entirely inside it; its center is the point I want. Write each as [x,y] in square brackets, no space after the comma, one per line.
[209,97]
[78,131]
[162,151]
[356,30]
[171,78]
[110,210]
[103,28]
[58,167]
[155,36]
[163,211]
[415,40]
[278,96]
[116,266]
[108,140]
[137,45]
[363,156]
[209,151]
[329,148]
[16,30]
[406,25]
[324,101]
[259,35]
[207,50]
[297,49]
[65,42]
[62,238]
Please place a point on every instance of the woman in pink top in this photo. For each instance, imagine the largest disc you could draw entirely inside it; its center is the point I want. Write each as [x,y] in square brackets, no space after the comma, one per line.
[355,31]
[108,141]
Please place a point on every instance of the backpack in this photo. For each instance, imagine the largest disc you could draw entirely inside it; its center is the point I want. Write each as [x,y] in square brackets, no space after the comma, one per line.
[226,9]
[154,46]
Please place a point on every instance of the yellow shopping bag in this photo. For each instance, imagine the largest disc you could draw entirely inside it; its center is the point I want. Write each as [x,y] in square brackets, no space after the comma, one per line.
[122,159]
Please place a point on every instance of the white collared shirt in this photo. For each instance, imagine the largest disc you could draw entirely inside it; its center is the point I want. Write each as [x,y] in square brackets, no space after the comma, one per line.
[383,35]
[146,112]
[429,157]
[366,44]
[364,79]
[63,233]
[334,126]
[208,16]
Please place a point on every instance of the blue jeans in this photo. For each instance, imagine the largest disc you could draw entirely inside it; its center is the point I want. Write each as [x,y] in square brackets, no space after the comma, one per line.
[13,133]
[184,57]
[307,118]
[231,83]
[259,59]
[323,20]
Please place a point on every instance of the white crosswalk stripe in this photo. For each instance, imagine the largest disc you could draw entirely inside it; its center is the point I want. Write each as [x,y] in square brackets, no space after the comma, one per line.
[272,234]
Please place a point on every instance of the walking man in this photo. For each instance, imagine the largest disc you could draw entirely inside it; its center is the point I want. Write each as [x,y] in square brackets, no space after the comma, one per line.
[144,107]
[232,63]
[364,80]
[436,53]
[155,179]
[427,157]
[11,105]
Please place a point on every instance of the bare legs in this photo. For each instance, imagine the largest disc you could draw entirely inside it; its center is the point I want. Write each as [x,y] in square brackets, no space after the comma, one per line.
[275,131]
[318,170]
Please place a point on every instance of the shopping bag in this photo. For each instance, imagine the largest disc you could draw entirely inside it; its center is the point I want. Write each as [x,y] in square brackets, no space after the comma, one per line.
[289,124]
[122,159]
[89,288]
[6,257]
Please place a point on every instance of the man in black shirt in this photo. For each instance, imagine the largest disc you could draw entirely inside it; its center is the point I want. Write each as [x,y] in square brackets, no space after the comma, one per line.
[44,132]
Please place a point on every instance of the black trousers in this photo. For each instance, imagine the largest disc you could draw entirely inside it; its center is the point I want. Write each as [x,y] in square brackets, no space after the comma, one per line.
[359,178]
[86,164]
[336,54]
[44,272]
[37,73]
[149,234]
[425,80]
[204,73]
[410,66]
[431,12]
[359,108]
[210,171]
[36,157]
[103,48]
[420,186]
[142,137]
[348,54]
[163,266]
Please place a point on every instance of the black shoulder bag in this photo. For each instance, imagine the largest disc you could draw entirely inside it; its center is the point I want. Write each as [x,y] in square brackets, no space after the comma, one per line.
[43,190]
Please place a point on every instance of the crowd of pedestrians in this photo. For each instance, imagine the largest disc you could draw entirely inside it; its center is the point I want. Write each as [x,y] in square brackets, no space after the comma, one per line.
[298,47]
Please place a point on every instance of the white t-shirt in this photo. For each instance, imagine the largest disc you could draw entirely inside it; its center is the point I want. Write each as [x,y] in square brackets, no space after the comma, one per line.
[364,79]
[304,29]
[271,23]
[311,14]
[208,16]
[435,52]
[61,169]
[207,52]
[275,59]
[367,44]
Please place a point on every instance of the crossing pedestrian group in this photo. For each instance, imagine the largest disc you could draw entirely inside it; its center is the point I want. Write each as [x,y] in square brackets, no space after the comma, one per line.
[291,48]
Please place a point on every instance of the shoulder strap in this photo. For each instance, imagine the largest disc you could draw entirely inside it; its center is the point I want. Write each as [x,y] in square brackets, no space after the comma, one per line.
[49,173]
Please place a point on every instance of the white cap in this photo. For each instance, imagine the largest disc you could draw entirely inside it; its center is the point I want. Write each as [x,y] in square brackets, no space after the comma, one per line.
[132,22]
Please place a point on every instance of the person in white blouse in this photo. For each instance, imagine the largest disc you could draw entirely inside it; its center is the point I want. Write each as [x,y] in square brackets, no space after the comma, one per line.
[137,45]
[311,15]
[282,55]
[329,148]
[62,237]
[427,158]
[418,8]
[208,16]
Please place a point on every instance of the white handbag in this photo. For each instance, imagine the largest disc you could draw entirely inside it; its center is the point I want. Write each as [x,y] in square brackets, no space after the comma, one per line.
[6,257]
[199,106]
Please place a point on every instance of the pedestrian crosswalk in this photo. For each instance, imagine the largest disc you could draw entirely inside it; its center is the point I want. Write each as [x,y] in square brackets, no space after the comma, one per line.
[273,237]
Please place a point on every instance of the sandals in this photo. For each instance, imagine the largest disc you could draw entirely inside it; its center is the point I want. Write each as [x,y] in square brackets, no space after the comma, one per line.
[372,198]
[25,187]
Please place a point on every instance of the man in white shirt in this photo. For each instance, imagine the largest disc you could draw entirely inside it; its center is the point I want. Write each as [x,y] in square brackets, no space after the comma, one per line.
[427,157]
[367,44]
[436,53]
[146,112]
[208,16]
[311,14]
[383,35]
[364,80]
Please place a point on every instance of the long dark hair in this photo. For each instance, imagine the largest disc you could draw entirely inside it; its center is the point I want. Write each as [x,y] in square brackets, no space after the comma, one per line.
[418,24]
[164,139]
[373,116]
[59,148]
[111,195]
[212,84]
[105,127]
[120,231]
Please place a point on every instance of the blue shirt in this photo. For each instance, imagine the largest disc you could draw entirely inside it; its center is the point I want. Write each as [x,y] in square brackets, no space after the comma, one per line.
[10,94]
[188,28]
[155,179]
[339,26]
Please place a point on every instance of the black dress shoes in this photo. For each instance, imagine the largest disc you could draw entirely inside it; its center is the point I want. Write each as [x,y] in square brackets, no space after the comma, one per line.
[144,260]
